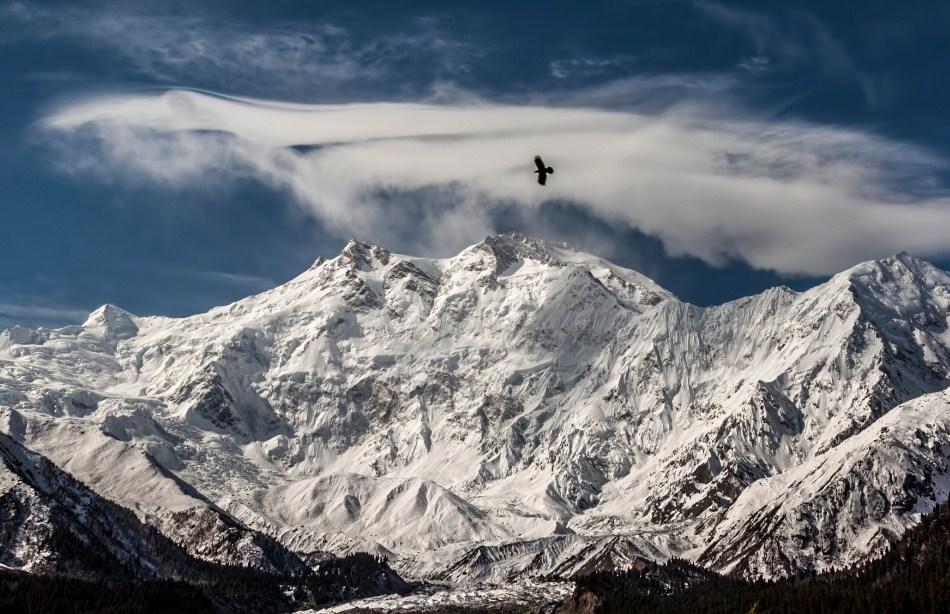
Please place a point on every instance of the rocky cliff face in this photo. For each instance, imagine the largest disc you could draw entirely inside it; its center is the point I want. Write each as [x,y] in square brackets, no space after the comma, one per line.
[509,411]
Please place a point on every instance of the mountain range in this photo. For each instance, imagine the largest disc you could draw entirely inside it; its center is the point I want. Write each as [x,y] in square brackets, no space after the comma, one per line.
[520,410]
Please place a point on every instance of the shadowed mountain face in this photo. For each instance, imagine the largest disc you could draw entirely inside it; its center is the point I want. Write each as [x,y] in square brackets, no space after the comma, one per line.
[53,524]
[521,409]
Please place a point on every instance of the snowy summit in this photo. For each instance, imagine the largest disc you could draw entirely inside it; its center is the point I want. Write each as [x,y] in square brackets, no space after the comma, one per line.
[520,409]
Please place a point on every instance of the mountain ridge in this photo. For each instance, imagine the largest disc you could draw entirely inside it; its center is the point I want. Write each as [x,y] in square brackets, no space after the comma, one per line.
[423,408]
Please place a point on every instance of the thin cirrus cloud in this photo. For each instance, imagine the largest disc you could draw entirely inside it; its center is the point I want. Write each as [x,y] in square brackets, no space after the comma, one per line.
[565,68]
[31,312]
[798,39]
[287,57]
[784,195]
[253,282]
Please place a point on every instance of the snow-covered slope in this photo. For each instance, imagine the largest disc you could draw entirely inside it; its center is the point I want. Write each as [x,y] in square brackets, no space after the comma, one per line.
[855,498]
[53,524]
[507,410]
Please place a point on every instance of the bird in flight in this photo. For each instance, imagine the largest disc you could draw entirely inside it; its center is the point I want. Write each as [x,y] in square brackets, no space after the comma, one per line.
[543,171]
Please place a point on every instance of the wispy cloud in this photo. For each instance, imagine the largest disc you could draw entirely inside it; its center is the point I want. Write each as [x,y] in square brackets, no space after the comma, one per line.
[778,194]
[587,66]
[797,38]
[31,313]
[298,58]
[756,64]
[653,93]
[249,282]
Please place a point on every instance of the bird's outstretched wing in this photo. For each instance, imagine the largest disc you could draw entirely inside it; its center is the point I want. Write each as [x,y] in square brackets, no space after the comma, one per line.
[542,178]
[540,164]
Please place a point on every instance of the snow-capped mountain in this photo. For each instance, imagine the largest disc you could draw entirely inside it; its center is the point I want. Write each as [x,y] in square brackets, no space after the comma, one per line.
[520,409]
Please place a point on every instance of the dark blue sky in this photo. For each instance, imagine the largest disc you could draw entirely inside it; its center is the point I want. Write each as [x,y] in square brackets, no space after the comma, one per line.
[72,240]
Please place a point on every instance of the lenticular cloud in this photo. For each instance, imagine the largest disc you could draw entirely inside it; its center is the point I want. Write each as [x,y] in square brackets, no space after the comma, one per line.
[782,195]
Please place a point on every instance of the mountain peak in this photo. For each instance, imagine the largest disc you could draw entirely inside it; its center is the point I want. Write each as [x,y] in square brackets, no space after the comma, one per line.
[531,247]
[112,321]
[513,247]
[908,262]
[508,249]
[901,269]
[363,255]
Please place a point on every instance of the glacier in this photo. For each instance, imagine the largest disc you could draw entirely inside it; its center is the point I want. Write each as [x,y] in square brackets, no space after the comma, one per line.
[520,410]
